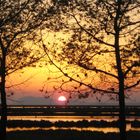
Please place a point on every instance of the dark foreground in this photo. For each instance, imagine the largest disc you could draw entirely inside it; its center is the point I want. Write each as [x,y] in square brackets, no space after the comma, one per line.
[68,135]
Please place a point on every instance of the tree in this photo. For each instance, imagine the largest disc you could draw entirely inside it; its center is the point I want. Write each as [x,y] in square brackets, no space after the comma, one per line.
[105,43]
[19,22]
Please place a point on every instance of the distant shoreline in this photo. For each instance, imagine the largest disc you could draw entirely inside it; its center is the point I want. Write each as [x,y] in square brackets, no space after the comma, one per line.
[70,110]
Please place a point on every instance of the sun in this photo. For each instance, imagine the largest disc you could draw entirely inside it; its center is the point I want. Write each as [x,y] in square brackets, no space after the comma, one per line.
[62,98]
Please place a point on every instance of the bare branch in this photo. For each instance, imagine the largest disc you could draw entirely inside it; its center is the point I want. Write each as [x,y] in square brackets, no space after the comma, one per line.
[21,83]
[129,24]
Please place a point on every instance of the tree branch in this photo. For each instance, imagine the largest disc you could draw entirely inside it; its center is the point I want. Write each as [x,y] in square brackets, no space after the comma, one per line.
[133,85]
[97,39]
[21,83]
[25,65]
[65,74]
[96,70]
[129,24]
[136,64]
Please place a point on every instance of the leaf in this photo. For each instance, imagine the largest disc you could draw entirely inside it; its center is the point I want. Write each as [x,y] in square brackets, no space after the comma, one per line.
[86,74]
[70,79]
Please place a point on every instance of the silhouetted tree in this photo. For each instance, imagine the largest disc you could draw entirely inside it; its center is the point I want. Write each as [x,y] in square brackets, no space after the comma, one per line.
[19,21]
[104,45]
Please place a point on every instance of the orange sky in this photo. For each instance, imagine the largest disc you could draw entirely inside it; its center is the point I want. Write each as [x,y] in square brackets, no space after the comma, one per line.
[29,92]
[36,77]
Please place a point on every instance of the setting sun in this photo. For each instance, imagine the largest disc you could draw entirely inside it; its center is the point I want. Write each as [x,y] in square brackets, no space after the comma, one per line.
[62,98]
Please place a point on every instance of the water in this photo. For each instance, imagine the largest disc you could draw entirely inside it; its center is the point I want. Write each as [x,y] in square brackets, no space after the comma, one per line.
[69,118]
[74,119]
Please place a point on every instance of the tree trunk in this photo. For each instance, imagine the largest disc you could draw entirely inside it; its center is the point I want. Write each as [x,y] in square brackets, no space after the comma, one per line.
[3,122]
[122,117]
[3,117]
